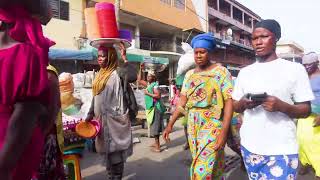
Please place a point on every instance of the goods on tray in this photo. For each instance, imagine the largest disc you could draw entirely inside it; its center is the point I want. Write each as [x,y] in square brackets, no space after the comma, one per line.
[91,21]
[67,100]
[66,94]
[102,26]
[71,139]
[66,82]
[107,20]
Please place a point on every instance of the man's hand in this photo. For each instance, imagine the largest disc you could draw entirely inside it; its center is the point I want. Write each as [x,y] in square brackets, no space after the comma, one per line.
[272,104]
[316,121]
[244,103]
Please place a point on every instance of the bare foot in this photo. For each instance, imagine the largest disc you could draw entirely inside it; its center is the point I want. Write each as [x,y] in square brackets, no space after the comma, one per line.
[153,145]
[304,170]
[186,146]
[156,150]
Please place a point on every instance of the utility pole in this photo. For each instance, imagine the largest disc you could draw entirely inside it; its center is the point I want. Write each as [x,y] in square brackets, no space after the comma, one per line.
[117,6]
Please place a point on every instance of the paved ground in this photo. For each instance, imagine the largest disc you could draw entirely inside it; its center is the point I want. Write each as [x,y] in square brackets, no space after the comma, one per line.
[171,164]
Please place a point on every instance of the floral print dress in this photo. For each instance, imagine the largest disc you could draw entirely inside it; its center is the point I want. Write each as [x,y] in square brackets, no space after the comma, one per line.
[206,92]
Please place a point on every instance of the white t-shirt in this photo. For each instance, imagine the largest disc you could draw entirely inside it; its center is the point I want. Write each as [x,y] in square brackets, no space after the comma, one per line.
[272,133]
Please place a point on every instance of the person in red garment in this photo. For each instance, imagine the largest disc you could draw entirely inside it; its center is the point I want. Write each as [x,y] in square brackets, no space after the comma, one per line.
[24,93]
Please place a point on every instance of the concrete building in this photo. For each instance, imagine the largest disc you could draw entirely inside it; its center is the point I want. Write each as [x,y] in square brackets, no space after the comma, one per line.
[159,27]
[66,27]
[290,50]
[232,23]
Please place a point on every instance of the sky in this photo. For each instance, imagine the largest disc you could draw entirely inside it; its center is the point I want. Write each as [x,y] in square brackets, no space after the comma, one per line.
[299,19]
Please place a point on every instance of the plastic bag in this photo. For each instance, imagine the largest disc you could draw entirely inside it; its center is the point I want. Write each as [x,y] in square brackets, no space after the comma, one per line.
[186,61]
[139,94]
[66,83]
[78,80]
[129,72]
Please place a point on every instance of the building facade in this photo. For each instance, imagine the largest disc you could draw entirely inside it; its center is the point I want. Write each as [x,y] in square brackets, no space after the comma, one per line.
[232,23]
[290,50]
[66,27]
[159,26]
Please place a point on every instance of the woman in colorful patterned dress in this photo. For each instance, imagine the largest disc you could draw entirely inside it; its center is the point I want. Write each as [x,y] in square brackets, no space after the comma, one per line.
[206,98]
[308,130]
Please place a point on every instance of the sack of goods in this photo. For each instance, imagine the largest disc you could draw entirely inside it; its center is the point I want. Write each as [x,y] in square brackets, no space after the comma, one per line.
[186,61]
[129,72]
[66,91]
[79,80]
[66,82]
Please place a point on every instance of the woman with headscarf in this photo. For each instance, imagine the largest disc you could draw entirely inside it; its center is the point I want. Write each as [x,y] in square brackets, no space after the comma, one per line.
[308,130]
[154,108]
[23,93]
[109,106]
[206,99]
[271,94]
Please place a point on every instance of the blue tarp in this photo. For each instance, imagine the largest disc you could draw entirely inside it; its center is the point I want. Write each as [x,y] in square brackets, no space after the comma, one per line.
[67,54]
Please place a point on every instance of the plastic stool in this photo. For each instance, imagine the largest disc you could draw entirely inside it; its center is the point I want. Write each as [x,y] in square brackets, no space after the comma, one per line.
[73,166]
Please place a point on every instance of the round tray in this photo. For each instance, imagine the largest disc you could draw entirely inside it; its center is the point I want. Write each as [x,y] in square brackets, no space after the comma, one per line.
[109,42]
[86,129]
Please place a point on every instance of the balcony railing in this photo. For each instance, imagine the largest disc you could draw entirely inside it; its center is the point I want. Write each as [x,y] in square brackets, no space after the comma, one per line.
[229,19]
[222,36]
[156,44]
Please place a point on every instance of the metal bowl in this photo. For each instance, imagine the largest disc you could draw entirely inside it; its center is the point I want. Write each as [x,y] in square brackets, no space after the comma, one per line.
[154,67]
[109,42]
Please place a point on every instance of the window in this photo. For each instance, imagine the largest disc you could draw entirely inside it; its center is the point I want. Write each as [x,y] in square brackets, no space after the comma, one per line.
[60,9]
[91,3]
[166,1]
[180,4]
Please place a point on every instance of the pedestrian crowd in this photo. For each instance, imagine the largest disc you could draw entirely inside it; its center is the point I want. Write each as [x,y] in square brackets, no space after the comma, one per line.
[276,102]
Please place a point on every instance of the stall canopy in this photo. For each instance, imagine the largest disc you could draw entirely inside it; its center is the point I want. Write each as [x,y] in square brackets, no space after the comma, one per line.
[149,59]
[67,54]
[91,54]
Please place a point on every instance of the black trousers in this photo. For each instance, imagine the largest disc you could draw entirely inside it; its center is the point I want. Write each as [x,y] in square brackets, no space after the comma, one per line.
[115,171]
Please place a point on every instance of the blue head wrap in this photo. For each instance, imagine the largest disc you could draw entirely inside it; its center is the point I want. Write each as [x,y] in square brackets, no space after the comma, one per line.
[206,41]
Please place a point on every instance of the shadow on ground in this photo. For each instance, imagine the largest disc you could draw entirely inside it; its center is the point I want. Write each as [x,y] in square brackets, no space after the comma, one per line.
[171,164]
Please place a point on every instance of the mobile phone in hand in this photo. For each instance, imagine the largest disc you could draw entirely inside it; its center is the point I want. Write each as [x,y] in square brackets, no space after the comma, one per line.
[257,97]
